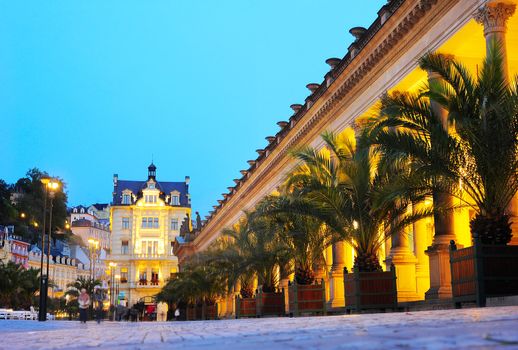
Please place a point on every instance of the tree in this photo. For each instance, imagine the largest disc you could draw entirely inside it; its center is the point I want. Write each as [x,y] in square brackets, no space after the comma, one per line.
[358,198]
[256,249]
[80,283]
[8,213]
[19,285]
[304,236]
[198,283]
[478,162]
[31,203]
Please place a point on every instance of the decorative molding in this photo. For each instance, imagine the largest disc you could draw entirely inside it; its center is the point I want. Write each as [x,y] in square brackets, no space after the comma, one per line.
[494,15]
[364,64]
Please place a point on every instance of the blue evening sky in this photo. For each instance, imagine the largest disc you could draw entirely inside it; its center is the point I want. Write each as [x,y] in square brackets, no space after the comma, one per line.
[92,88]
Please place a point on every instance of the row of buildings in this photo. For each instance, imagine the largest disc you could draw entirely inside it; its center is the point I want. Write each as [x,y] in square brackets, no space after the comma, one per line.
[129,241]
[382,58]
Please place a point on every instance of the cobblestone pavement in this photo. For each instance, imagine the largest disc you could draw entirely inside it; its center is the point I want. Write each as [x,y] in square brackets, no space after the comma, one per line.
[488,328]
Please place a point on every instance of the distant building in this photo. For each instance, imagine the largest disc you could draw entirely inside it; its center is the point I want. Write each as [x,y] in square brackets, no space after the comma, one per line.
[145,219]
[12,247]
[92,224]
[63,270]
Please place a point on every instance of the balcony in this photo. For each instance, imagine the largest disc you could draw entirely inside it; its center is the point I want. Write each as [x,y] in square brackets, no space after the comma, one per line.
[147,284]
[151,257]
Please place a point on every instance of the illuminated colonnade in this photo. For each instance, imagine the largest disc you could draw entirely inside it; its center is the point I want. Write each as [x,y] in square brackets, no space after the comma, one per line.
[420,253]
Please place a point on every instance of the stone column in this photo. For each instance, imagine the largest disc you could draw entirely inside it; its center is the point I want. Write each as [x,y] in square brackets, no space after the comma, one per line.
[438,252]
[422,239]
[494,16]
[337,276]
[405,262]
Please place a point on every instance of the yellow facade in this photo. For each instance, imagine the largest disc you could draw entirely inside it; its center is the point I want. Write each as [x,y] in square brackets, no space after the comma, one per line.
[141,241]
[387,61]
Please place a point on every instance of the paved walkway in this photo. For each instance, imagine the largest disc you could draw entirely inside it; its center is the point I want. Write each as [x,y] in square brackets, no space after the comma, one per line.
[488,328]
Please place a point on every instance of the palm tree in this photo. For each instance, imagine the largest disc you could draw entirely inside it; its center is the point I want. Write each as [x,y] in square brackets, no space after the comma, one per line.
[80,283]
[358,198]
[199,282]
[478,163]
[257,250]
[19,285]
[234,256]
[303,236]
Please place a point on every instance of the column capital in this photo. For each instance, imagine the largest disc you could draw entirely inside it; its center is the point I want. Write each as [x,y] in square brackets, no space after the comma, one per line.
[494,15]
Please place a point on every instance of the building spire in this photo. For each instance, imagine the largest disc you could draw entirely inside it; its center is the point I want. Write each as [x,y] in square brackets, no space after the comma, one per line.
[151,171]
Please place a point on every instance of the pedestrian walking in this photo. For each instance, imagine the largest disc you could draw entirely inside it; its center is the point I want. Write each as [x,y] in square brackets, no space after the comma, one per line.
[177,314]
[99,297]
[84,303]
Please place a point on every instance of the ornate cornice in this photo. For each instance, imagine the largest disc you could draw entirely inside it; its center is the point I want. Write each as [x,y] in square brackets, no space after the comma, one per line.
[493,16]
[347,76]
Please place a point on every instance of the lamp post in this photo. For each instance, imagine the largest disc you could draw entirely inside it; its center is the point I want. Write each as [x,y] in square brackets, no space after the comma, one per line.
[116,295]
[112,289]
[93,244]
[50,186]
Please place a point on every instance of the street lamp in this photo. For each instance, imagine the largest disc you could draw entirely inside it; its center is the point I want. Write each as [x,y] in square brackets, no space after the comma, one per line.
[50,186]
[93,244]
[112,266]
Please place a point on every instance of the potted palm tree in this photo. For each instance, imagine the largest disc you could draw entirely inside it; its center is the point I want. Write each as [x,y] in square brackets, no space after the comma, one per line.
[363,200]
[197,288]
[478,163]
[306,239]
[255,250]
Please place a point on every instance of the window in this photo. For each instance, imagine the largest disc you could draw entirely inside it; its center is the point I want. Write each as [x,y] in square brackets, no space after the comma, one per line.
[124,247]
[151,185]
[154,277]
[124,275]
[125,223]
[175,199]
[142,277]
[150,222]
[149,247]
[150,198]
[126,198]
[174,224]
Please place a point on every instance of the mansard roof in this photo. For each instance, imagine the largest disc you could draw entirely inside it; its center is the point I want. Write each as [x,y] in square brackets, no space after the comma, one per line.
[165,188]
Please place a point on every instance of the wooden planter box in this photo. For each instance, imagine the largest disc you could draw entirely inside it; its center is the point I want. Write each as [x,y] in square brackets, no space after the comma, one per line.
[246,307]
[370,290]
[190,313]
[270,304]
[483,271]
[307,299]
[210,312]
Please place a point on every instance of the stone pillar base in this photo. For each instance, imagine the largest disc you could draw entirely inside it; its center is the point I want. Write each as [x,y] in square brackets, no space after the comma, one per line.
[405,263]
[440,272]
[423,280]
[336,286]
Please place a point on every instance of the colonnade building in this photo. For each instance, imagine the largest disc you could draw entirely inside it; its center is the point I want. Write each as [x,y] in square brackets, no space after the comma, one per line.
[382,58]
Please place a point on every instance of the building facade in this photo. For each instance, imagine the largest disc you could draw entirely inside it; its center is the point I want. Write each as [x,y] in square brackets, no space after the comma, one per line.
[145,219]
[12,247]
[381,58]
[63,271]
[91,223]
